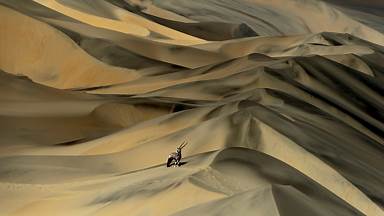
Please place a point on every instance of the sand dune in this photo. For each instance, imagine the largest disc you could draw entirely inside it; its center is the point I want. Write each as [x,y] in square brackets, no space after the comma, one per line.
[281,103]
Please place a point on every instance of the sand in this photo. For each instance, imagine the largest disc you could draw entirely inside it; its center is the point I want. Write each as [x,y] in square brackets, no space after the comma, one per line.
[281,103]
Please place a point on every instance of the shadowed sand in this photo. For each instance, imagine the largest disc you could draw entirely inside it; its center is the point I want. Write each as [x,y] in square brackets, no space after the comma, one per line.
[281,103]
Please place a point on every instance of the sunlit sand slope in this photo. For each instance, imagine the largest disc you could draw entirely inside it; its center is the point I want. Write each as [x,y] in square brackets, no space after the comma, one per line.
[281,103]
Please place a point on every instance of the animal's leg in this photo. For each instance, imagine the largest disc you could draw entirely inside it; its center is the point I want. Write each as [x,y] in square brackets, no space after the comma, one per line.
[169,162]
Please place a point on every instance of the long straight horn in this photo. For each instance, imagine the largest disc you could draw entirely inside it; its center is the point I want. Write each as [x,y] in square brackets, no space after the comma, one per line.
[181,145]
[184,144]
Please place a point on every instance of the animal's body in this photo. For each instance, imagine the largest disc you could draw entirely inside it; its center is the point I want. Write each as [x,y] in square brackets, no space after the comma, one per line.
[175,157]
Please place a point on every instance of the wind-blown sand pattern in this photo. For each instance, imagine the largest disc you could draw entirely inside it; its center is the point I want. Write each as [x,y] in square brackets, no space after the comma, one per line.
[281,102]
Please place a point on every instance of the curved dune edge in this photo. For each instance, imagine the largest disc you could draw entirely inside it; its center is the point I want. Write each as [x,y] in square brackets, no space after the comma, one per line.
[275,17]
[129,17]
[49,57]
[283,111]
[212,184]
[89,19]
[215,52]
[132,24]
[282,149]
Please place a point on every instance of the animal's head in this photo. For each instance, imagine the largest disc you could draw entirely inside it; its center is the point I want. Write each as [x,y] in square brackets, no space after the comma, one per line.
[181,146]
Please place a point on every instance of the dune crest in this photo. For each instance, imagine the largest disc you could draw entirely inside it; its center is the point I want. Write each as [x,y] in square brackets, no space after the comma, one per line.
[281,103]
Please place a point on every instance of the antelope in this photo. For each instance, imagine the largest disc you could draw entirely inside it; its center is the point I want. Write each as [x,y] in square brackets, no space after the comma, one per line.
[175,157]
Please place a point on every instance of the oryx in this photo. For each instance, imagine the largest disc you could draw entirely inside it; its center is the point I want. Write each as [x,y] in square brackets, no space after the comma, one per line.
[175,157]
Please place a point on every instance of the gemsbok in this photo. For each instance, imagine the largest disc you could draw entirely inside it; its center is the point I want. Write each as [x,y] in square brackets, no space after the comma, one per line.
[175,157]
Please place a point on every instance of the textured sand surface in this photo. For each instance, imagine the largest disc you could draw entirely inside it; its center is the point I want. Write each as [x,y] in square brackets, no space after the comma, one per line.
[281,102]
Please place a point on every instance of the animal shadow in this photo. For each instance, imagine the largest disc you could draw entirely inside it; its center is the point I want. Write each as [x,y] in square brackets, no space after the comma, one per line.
[182,163]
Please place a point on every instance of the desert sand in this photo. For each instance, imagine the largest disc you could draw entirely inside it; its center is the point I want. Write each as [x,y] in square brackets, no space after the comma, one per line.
[281,103]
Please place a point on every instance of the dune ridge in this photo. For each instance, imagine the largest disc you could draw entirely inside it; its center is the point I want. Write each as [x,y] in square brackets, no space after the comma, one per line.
[281,103]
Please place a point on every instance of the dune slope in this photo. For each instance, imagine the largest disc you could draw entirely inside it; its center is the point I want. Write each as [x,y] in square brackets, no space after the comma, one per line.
[281,103]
